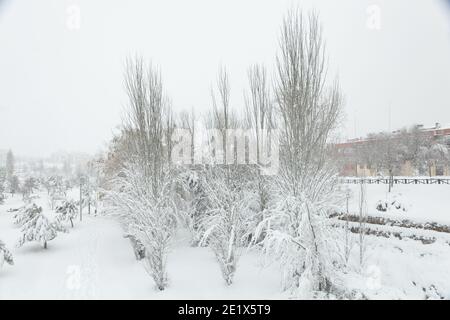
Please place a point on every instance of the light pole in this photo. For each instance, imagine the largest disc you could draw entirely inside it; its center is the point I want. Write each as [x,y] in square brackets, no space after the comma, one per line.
[81,198]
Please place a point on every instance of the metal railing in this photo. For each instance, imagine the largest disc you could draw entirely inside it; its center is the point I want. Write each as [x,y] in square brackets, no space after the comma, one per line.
[411,180]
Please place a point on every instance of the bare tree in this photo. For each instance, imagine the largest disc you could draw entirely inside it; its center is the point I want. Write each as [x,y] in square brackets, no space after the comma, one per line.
[297,227]
[260,119]
[259,108]
[223,117]
[142,192]
[226,221]
[169,128]
[145,118]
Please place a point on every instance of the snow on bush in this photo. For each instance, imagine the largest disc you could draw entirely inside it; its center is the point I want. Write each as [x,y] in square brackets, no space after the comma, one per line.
[25,213]
[192,203]
[37,227]
[228,221]
[394,202]
[149,218]
[138,247]
[67,212]
[5,255]
[156,236]
[56,196]
[298,235]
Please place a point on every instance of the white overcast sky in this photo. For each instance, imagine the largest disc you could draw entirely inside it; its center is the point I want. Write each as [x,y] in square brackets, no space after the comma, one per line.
[61,88]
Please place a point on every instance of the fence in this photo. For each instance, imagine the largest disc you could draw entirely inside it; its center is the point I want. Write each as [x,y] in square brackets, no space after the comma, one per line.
[410,180]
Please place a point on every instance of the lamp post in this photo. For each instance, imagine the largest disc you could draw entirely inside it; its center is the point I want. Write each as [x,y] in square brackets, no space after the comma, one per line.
[81,198]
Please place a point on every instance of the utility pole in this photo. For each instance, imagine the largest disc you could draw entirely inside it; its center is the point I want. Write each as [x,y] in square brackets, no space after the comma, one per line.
[88,186]
[81,199]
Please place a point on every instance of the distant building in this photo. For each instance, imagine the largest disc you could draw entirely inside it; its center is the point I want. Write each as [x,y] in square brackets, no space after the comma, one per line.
[352,165]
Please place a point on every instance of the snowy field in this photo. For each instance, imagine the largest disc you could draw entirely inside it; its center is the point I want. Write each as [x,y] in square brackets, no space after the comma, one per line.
[423,203]
[407,268]
[95,261]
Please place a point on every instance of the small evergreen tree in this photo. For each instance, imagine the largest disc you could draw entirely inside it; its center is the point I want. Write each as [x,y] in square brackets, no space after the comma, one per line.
[67,212]
[25,214]
[39,228]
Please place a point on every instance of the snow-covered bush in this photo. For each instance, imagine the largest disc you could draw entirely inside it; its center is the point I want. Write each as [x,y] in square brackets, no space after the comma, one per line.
[138,247]
[228,221]
[156,236]
[394,203]
[5,255]
[67,212]
[55,184]
[299,236]
[25,214]
[57,196]
[149,219]
[39,228]
[191,202]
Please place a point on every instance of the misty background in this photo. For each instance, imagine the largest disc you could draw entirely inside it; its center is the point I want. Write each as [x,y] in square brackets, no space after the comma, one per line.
[62,61]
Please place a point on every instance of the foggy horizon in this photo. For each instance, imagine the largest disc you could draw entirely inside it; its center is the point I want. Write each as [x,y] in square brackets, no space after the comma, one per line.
[61,80]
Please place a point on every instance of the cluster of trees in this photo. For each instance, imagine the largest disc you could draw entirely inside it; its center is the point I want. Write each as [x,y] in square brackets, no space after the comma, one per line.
[32,176]
[35,226]
[55,184]
[226,206]
[388,152]
[10,182]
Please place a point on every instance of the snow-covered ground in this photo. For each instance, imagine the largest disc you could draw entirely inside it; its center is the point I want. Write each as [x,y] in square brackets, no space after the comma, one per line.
[407,268]
[402,269]
[424,203]
[94,260]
